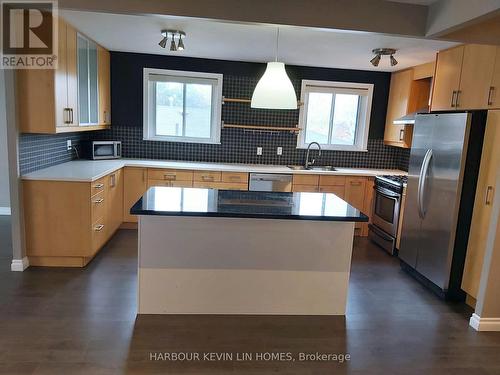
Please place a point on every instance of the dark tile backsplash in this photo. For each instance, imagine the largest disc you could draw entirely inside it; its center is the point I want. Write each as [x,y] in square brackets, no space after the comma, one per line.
[38,151]
[237,146]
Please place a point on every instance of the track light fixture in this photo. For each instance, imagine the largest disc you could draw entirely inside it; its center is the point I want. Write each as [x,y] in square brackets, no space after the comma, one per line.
[173,35]
[379,52]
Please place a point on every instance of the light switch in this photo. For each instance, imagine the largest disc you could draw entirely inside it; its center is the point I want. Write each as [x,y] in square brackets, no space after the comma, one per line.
[69,145]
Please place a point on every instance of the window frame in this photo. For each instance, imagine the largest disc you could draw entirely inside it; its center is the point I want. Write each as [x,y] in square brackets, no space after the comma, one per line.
[364,90]
[149,104]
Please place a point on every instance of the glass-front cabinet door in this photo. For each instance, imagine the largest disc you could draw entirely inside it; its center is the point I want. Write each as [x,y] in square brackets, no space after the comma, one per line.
[88,95]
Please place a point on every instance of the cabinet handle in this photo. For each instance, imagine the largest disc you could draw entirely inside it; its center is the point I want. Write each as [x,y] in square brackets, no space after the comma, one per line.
[487,198]
[99,227]
[355,183]
[98,186]
[99,201]
[457,104]
[66,115]
[70,115]
[453,98]
[169,176]
[234,178]
[401,134]
[113,180]
[207,178]
[490,92]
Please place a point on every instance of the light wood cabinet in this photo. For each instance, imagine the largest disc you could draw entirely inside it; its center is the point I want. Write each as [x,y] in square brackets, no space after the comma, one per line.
[332,184]
[207,176]
[483,204]
[104,76]
[475,80]
[166,183]
[220,185]
[170,174]
[399,94]
[47,99]
[409,92]
[135,182]
[355,193]
[447,78]
[115,195]
[464,77]
[494,99]
[235,177]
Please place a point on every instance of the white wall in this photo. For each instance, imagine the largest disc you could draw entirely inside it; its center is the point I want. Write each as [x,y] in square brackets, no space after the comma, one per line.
[4,165]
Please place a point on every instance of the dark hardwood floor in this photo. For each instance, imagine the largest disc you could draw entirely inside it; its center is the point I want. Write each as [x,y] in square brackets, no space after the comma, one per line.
[82,321]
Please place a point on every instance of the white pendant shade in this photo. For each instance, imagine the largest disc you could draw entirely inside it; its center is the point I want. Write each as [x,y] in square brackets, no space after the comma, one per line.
[274,90]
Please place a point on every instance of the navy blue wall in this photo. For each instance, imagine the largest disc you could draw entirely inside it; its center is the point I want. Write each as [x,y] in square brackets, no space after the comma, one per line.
[126,82]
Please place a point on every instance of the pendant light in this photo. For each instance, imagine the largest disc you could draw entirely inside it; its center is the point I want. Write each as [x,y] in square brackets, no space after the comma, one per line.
[274,90]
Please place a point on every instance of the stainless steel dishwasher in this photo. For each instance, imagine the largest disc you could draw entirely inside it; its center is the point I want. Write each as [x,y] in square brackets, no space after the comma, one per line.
[270,182]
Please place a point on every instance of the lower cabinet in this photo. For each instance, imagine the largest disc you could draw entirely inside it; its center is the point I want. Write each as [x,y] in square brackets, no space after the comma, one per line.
[135,184]
[67,223]
[357,191]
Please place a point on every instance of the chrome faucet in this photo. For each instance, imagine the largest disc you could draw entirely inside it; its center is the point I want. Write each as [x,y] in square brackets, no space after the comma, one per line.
[311,163]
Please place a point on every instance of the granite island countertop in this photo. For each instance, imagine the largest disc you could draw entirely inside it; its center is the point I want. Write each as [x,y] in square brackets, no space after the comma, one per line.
[177,201]
[92,170]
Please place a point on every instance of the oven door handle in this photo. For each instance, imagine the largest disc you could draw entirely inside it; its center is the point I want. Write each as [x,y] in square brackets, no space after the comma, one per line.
[385,193]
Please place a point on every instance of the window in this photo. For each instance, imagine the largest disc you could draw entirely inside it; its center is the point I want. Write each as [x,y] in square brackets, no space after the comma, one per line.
[335,114]
[182,106]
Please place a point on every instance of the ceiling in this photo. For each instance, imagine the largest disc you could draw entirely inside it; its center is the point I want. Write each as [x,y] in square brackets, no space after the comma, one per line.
[252,42]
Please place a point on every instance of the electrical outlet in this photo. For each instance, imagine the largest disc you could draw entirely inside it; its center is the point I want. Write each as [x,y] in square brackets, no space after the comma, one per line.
[69,145]
[259,150]
[279,151]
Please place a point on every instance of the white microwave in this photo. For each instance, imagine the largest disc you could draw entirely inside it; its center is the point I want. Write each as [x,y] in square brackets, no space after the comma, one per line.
[100,150]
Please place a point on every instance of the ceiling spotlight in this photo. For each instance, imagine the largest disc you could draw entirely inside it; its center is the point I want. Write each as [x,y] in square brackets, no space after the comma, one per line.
[173,47]
[379,52]
[180,45]
[393,61]
[173,34]
[375,60]
[163,42]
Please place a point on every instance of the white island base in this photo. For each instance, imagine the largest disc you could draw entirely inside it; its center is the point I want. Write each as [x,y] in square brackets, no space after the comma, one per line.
[217,265]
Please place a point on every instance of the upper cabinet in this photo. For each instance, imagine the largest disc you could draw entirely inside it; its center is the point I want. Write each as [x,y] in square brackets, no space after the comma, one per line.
[466,78]
[494,99]
[74,97]
[409,92]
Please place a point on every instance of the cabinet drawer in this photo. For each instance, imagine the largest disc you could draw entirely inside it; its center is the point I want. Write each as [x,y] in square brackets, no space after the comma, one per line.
[152,183]
[170,175]
[98,206]
[98,234]
[305,188]
[304,179]
[97,186]
[235,177]
[331,180]
[207,176]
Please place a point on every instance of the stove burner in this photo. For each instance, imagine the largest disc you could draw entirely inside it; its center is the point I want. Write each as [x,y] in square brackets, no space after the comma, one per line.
[398,179]
[394,183]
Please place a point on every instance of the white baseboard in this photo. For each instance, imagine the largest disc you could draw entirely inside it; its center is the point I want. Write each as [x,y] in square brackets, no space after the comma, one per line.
[19,265]
[484,324]
[4,210]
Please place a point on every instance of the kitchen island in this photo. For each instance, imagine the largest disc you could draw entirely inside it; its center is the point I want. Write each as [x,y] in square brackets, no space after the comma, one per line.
[208,251]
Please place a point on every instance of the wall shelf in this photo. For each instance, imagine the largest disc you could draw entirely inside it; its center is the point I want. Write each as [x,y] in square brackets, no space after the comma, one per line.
[265,128]
[243,100]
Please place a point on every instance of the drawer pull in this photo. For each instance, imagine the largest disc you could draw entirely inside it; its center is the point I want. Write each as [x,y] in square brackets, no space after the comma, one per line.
[487,198]
[207,178]
[98,186]
[401,134]
[99,227]
[490,101]
[354,183]
[453,98]
[169,176]
[99,201]
[235,178]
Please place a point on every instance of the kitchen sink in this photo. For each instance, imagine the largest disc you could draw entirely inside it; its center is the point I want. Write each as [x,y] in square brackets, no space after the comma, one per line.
[317,168]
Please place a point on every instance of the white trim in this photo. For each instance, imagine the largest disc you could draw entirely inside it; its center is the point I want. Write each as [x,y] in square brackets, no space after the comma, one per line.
[5,211]
[361,141]
[19,265]
[178,75]
[484,324]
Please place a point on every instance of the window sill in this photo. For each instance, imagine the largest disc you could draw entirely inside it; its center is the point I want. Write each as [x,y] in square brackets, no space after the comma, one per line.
[334,148]
[181,140]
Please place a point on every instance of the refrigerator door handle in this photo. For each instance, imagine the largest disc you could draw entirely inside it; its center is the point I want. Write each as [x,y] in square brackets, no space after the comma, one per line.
[421,183]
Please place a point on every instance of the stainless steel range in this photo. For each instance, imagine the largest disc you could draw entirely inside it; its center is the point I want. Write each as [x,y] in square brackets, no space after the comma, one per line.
[385,227]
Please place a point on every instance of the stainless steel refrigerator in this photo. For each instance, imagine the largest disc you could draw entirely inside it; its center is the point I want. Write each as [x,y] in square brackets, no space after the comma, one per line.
[442,176]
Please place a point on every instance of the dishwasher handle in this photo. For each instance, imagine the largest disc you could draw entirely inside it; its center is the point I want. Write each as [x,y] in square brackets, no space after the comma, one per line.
[270,177]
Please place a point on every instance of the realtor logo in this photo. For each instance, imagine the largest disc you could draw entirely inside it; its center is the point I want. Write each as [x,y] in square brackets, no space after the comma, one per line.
[29,34]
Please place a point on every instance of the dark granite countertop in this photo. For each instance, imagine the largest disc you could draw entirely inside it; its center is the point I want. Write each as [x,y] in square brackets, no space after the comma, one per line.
[176,201]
